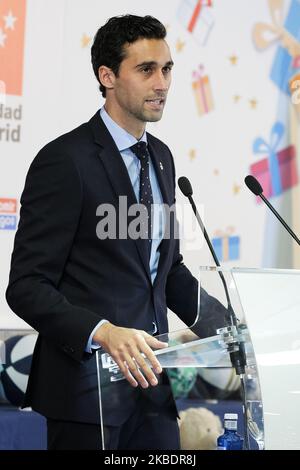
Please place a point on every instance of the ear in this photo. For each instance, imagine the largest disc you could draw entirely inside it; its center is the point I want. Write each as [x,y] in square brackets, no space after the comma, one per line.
[106,76]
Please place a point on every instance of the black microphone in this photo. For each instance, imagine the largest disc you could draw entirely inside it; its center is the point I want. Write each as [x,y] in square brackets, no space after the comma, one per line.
[255,188]
[238,358]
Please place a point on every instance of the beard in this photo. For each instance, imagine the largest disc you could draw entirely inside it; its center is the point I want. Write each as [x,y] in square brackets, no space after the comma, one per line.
[146,115]
[139,111]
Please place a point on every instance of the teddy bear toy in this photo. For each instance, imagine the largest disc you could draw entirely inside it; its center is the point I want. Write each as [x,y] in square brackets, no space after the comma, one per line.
[199,429]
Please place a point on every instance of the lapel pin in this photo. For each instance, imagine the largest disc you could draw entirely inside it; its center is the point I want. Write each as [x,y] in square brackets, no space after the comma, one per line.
[161,165]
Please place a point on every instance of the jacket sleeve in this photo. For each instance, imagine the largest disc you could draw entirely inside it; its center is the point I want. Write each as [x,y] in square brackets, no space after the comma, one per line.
[182,297]
[50,212]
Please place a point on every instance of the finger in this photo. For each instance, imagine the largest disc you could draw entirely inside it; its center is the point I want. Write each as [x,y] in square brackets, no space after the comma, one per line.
[125,371]
[134,370]
[150,356]
[135,352]
[153,342]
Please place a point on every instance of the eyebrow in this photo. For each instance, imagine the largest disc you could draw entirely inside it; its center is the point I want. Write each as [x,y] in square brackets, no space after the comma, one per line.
[152,63]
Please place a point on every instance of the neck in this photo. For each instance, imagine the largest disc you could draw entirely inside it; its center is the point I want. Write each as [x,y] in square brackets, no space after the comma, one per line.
[125,120]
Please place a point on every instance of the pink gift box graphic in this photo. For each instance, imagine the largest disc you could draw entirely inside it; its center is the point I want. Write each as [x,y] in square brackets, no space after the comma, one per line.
[278,171]
[296,62]
[196,17]
[202,91]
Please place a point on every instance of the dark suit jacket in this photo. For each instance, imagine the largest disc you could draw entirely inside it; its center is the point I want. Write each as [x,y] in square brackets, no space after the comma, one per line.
[64,279]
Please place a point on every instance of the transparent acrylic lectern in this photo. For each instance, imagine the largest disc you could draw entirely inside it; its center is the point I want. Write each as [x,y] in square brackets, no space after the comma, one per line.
[241,355]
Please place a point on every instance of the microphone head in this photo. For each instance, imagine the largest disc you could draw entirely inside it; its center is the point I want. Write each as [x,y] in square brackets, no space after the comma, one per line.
[253,185]
[185,186]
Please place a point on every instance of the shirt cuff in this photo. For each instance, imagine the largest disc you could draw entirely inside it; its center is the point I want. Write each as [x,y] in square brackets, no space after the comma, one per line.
[92,344]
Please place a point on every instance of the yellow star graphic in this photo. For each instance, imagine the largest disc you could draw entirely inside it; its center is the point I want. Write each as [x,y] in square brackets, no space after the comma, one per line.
[236,98]
[85,40]
[253,103]
[236,189]
[233,59]
[192,154]
[179,45]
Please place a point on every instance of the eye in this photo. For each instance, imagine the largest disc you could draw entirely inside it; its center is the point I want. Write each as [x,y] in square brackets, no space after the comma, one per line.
[167,69]
[147,70]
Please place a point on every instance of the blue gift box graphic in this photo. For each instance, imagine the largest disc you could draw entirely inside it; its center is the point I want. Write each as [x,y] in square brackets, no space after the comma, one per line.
[8,222]
[282,68]
[227,247]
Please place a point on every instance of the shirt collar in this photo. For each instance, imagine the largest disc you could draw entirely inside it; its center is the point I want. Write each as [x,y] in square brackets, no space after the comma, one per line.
[122,138]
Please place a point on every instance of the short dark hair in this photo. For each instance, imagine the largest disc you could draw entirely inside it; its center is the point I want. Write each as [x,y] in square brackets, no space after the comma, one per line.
[108,46]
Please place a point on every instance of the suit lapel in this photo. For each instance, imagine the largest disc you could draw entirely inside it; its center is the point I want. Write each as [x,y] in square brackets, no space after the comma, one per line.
[118,176]
[157,157]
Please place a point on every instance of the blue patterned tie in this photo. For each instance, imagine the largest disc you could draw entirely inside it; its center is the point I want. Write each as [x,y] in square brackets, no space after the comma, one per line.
[146,198]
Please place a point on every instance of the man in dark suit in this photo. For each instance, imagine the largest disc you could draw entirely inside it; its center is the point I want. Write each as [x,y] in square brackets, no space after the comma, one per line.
[82,289]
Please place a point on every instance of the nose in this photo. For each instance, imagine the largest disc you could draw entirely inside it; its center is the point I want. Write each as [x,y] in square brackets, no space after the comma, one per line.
[161,81]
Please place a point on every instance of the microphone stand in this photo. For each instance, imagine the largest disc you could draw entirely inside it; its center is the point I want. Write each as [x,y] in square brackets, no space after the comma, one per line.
[280,218]
[255,187]
[235,348]
[231,318]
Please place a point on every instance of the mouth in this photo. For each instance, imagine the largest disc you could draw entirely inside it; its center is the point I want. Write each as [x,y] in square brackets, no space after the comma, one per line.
[156,104]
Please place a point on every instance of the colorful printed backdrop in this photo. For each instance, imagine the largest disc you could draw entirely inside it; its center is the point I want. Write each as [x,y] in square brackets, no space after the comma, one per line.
[233,110]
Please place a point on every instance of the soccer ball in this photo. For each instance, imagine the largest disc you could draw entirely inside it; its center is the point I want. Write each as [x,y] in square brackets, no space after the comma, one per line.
[15,373]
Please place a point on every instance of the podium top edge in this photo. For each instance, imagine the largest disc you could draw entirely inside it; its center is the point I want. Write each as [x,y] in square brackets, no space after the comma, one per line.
[250,270]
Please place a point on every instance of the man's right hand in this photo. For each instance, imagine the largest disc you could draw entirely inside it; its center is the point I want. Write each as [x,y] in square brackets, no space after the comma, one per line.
[129,348]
